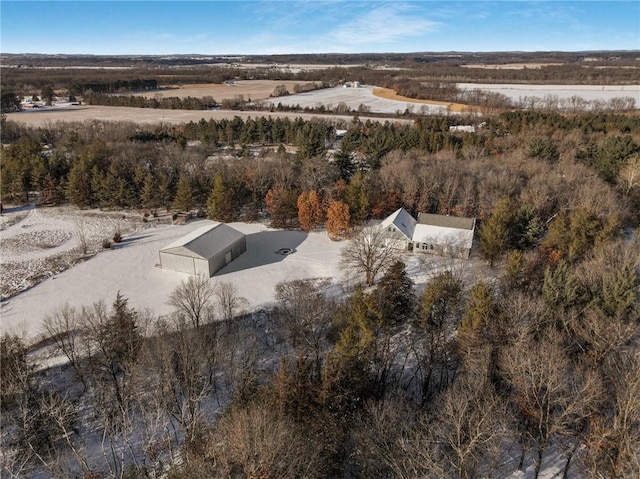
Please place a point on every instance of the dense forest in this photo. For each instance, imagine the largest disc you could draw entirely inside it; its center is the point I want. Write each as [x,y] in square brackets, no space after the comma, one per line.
[462,379]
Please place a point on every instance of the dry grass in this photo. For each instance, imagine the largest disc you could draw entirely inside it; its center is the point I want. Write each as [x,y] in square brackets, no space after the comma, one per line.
[389,94]
[253,89]
[43,118]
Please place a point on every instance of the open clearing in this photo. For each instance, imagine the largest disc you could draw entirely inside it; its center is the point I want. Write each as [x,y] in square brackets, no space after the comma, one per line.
[131,267]
[354,98]
[517,92]
[249,89]
[43,116]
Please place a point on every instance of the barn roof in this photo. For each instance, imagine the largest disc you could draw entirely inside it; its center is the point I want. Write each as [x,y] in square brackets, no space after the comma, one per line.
[442,235]
[457,222]
[205,242]
[402,220]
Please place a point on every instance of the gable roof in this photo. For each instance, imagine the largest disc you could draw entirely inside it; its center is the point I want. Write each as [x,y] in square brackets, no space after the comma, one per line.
[205,242]
[433,229]
[402,220]
[441,235]
[457,222]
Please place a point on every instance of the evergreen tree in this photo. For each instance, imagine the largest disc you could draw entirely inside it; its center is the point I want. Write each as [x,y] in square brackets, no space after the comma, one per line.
[560,288]
[183,200]
[79,190]
[441,300]
[357,197]
[220,200]
[619,294]
[395,293]
[494,232]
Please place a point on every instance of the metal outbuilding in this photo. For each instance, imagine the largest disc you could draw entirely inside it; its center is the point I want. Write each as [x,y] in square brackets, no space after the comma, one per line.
[205,250]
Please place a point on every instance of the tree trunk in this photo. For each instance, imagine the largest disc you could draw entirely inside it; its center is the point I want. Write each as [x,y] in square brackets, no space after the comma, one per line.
[538,463]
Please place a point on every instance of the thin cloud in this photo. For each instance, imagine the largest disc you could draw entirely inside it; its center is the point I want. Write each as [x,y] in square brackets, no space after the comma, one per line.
[384,24]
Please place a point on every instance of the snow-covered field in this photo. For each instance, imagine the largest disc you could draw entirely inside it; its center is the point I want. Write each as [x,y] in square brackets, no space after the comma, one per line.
[518,92]
[353,98]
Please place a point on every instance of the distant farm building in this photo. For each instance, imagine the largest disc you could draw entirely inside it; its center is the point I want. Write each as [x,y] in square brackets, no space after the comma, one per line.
[435,234]
[204,251]
[462,129]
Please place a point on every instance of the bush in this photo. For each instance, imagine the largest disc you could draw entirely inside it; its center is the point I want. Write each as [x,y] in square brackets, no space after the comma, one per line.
[106,244]
[117,236]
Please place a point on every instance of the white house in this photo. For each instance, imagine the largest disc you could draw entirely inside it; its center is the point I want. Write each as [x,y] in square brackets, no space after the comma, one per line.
[205,250]
[435,234]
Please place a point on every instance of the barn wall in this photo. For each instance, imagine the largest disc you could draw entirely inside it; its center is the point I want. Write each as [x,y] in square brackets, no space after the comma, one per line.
[201,266]
[218,262]
[183,264]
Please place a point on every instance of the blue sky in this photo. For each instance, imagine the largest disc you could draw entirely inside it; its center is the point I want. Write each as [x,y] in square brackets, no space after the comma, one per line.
[315,26]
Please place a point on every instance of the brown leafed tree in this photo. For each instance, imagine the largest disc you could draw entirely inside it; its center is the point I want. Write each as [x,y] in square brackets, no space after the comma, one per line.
[338,219]
[310,214]
[281,205]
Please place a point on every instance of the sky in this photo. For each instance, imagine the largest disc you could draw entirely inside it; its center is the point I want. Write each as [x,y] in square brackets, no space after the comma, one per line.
[315,26]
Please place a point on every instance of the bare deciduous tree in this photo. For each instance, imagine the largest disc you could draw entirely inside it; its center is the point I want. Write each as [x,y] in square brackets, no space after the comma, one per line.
[369,253]
[306,315]
[259,442]
[228,300]
[192,299]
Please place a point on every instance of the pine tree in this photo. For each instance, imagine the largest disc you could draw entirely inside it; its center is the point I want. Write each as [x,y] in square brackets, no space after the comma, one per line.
[357,197]
[184,197]
[441,300]
[619,295]
[396,295]
[494,232]
[560,289]
[220,201]
[79,191]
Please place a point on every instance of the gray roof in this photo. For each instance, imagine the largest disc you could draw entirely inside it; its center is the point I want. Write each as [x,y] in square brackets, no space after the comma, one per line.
[205,242]
[402,220]
[457,222]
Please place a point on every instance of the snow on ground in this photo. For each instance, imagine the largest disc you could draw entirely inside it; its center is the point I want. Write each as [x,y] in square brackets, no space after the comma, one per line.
[517,92]
[40,247]
[353,98]
[131,268]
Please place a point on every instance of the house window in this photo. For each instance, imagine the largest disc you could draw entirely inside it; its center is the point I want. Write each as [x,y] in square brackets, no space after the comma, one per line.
[430,246]
[424,245]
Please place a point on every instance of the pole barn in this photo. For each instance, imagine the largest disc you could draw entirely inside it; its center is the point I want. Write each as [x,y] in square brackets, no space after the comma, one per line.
[205,250]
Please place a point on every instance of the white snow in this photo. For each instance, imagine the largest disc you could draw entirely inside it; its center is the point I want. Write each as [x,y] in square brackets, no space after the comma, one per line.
[353,98]
[132,268]
[518,92]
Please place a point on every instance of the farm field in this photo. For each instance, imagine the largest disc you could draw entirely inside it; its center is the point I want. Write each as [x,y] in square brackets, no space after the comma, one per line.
[517,92]
[44,116]
[354,97]
[254,89]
